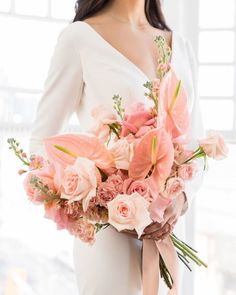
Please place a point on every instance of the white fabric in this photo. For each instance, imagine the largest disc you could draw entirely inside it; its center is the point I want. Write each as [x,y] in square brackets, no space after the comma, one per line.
[86,71]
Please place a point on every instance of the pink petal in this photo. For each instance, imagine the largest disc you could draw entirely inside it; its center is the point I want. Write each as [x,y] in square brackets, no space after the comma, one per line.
[158,207]
[81,145]
[176,115]
[141,163]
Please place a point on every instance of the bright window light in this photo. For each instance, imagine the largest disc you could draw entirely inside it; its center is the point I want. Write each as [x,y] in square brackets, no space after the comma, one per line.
[217,13]
[216,80]
[216,47]
[32,7]
[63,9]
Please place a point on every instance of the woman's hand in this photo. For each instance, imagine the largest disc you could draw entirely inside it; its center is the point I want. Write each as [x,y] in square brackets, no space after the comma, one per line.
[154,231]
[174,211]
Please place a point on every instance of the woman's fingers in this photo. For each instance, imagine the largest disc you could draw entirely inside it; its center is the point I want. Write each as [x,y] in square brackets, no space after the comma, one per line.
[156,234]
[152,228]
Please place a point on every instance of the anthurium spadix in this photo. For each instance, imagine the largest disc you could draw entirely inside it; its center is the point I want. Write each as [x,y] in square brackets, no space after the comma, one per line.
[153,158]
[81,145]
[173,107]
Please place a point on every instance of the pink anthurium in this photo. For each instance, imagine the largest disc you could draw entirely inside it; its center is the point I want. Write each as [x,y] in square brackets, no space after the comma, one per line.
[64,149]
[173,107]
[152,159]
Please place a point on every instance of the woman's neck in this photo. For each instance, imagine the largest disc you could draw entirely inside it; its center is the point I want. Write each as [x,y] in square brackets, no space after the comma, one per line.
[130,11]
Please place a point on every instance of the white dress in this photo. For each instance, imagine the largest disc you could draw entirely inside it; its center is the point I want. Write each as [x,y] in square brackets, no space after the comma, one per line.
[86,71]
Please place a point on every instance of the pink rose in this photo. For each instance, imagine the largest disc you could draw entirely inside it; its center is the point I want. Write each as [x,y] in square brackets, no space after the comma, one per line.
[121,154]
[44,175]
[80,181]
[129,212]
[139,186]
[138,121]
[187,171]
[214,146]
[174,186]
[109,189]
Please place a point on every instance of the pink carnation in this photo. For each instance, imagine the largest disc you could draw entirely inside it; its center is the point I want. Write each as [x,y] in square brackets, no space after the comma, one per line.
[67,216]
[55,211]
[108,190]
[84,230]
[97,214]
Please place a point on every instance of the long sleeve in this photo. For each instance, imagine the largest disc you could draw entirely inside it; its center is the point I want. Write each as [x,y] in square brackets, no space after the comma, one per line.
[62,92]
[196,130]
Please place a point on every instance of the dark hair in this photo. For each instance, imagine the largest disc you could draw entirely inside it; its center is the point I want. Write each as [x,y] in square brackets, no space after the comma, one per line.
[153,11]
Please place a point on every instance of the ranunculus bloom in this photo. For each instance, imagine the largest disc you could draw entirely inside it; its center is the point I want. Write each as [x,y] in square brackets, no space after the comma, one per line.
[139,186]
[80,181]
[214,145]
[44,175]
[129,212]
[174,186]
[121,152]
[109,189]
[102,116]
[138,121]
[187,171]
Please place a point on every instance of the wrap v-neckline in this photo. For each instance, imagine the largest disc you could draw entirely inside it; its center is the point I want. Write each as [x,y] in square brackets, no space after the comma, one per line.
[125,58]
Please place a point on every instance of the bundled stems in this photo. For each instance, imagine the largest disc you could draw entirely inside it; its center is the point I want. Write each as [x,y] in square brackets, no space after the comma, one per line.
[165,273]
[187,251]
[184,252]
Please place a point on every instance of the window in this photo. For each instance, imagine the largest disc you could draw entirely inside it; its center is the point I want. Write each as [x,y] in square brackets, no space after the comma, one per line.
[28,30]
[217,64]
[215,215]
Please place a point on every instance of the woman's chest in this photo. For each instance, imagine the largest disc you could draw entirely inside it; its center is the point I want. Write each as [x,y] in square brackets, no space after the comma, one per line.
[106,73]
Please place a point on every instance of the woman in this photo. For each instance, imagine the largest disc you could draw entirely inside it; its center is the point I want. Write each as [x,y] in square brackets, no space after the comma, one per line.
[110,49]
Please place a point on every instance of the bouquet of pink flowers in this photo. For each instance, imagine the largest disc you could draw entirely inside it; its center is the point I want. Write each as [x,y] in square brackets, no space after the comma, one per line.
[127,170]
